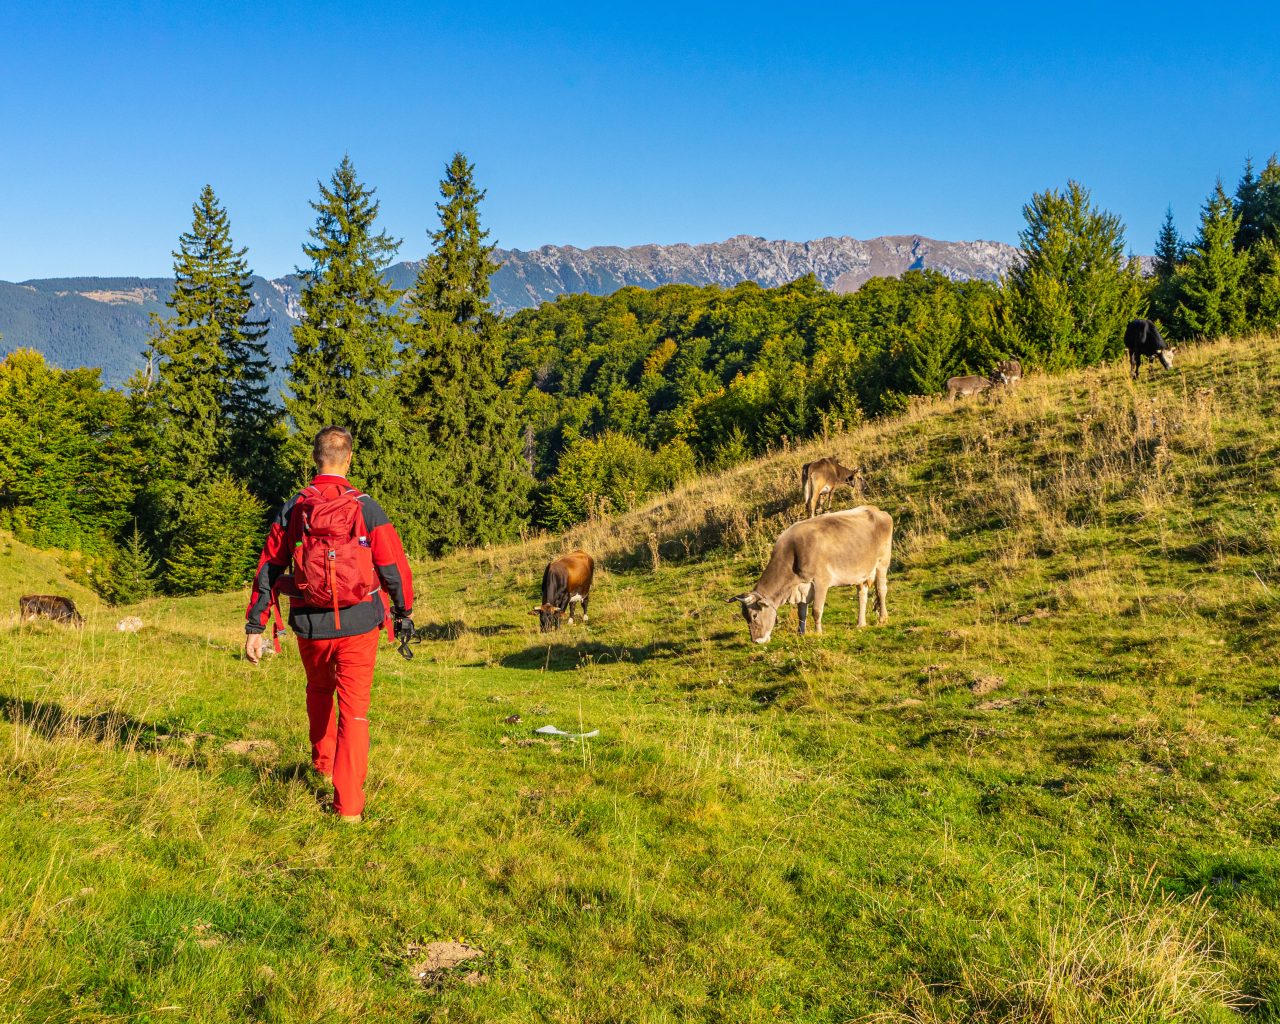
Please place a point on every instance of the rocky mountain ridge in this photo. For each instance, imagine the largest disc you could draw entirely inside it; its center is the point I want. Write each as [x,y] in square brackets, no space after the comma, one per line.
[104,322]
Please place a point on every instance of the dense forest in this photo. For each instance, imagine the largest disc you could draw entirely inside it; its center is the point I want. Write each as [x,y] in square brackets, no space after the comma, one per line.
[471,428]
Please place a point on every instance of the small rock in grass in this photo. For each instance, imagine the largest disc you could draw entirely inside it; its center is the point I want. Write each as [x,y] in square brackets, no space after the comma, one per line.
[512,719]
[129,624]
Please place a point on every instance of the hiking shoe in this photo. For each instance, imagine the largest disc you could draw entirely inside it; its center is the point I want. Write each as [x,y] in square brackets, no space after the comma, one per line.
[351,819]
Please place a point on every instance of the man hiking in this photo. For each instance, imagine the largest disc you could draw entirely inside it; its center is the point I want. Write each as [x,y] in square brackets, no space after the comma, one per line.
[334,552]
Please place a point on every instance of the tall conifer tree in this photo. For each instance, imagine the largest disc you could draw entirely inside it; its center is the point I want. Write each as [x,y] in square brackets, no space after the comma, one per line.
[206,390]
[468,473]
[343,366]
[1211,285]
[1074,291]
[1168,248]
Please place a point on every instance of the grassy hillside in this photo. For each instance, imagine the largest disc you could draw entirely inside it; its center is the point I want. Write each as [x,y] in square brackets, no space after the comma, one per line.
[1046,791]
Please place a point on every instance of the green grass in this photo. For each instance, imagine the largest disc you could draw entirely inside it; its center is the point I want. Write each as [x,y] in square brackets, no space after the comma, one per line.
[828,829]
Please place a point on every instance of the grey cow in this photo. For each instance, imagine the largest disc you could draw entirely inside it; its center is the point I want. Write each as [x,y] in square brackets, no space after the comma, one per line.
[851,548]
[962,387]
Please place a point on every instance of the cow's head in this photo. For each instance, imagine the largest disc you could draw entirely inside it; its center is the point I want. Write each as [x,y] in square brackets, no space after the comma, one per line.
[1165,355]
[548,617]
[854,478]
[761,615]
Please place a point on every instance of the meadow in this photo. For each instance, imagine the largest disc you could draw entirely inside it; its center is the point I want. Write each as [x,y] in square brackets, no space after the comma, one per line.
[1046,791]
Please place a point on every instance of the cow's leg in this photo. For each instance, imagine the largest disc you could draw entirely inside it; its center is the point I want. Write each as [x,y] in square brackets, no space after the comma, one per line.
[802,610]
[819,603]
[882,593]
[862,604]
[1135,364]
[584,608]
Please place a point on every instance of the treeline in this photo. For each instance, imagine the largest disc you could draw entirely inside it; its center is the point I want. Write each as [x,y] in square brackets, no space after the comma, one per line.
[470,428]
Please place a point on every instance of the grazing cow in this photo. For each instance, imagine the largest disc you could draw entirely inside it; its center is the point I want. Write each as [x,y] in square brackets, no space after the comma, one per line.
[962,387]
[566,580]
[49,606]
[819,479]
[1143,341]
[1008,372]
[851,548]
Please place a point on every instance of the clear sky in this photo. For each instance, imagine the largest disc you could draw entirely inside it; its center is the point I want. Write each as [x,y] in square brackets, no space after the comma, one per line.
[614,123]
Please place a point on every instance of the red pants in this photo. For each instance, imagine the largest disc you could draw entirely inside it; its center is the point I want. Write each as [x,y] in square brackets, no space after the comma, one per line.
[340,743]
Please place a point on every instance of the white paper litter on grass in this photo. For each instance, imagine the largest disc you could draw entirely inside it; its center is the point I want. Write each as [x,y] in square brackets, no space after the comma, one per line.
[551,730]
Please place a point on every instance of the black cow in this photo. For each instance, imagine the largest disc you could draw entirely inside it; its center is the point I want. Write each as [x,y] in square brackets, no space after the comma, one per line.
[1143,341]
[49,606]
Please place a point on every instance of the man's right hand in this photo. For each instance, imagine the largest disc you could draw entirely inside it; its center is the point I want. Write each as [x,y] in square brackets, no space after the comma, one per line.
[253,646]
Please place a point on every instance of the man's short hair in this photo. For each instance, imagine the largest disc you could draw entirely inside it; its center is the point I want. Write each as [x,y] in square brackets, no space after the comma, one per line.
[332,446]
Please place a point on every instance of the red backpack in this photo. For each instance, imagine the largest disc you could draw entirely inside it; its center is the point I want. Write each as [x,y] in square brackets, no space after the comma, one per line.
[332,559]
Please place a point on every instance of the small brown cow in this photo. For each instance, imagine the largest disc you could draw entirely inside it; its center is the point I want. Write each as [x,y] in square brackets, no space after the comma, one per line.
[49,606]
[1008,372]
[962,387]
[819,479]
[565,581]
[851,548]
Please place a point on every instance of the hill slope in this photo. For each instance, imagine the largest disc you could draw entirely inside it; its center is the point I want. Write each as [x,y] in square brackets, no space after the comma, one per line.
[1045,791]
[97,321]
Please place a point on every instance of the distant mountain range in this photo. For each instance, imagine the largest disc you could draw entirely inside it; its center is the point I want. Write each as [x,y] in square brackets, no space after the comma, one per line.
[103,321]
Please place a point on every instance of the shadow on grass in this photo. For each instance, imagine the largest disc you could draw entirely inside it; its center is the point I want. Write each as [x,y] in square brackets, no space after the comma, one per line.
[114,728]
[457,628]
[560,657]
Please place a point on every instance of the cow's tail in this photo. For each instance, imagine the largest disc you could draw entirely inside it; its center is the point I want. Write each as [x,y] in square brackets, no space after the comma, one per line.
[807,486]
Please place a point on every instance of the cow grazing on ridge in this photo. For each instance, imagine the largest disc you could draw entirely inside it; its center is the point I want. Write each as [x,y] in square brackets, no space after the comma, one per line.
[819,479]
[962,387]
[1143,341]
[1008,372]
[565,581]
[851,548]
[49,606]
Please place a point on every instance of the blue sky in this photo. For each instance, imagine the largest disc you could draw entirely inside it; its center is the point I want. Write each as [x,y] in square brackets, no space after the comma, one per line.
[614,123]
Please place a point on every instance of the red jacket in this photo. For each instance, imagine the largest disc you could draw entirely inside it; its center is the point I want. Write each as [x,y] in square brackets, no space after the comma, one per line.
[395,595]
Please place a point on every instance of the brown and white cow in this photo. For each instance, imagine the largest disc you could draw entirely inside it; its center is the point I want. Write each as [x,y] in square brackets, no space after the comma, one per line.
[565,581]
[49,606]
[819,479]
[851,548]
[1008,372]
[962,387]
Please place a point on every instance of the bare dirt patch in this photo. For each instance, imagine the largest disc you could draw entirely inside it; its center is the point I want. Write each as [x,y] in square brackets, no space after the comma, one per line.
[261,748]
[438,959]
[980,686]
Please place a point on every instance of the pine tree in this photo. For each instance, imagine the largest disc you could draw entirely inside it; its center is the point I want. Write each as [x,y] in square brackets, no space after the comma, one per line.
[1168,255]
[134,571]
[1168,251]
[1211,284]
[1074,291]
[1247,208]
[206,389]
[343,366]
[216,548]
[465,481]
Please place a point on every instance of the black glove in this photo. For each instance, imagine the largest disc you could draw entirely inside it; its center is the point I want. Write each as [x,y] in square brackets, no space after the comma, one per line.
[405,634]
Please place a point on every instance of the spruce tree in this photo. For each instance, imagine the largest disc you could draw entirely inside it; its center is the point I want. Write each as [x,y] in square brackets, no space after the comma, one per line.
[1168,250]
[465,481]
[1211,283]
[343,366]
[134,571]
[207,383]
[1074,291]
[216,549]
[1247,208]
[1168,254]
